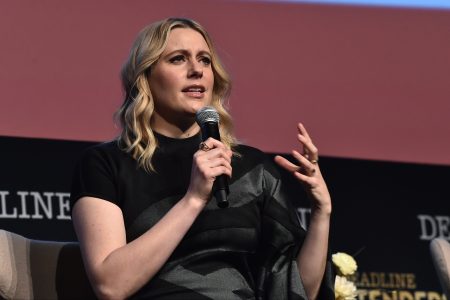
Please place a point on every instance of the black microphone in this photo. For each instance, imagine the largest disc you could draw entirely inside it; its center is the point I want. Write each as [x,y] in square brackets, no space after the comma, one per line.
[208,120]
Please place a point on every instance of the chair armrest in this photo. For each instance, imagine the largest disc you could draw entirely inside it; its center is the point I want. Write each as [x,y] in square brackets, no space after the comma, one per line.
[440,254]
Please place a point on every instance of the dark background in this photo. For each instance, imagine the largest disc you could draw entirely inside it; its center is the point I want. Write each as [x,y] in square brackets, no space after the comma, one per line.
[375,203]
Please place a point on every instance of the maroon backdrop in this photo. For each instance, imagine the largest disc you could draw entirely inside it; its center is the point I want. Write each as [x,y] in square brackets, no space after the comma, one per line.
[368,82]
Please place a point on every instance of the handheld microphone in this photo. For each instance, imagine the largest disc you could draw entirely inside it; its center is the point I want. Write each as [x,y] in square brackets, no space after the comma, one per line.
[208,120]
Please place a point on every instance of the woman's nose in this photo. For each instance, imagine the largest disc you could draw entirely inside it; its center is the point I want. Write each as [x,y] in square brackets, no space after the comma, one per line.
[195,70]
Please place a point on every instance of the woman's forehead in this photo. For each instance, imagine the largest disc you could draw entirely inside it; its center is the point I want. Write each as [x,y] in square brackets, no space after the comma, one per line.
[186,39]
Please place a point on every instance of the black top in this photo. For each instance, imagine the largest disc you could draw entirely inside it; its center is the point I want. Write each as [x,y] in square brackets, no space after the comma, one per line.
[244,251]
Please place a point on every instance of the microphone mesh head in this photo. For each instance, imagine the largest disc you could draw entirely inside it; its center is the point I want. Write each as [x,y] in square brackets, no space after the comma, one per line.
[207,114]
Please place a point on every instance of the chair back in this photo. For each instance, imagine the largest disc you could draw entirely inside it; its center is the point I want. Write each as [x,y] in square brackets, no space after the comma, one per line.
[34,269]
[440,254]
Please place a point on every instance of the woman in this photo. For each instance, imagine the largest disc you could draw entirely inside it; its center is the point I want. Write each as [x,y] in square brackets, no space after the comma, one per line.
[142,205]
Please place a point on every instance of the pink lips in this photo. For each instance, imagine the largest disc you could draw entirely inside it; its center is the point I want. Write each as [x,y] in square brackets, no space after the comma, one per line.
[195,91]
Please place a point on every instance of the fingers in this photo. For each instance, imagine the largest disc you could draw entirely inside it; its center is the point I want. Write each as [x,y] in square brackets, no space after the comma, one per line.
[307,171]
[302,130]
[305,164]
[306,167]
[310,151]
[308,161]
[213,159]
[216,167]
[286,164]
[212,143]
[308,181]
[213,148]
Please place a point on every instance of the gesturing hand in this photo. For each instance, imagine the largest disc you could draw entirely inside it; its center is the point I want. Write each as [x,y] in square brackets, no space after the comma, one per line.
[307,171]
[211,160]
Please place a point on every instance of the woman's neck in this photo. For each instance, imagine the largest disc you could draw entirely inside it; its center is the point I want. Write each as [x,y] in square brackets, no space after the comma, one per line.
[172,130]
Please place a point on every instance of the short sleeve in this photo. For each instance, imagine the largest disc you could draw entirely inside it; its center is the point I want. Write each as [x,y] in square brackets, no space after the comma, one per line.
[94,176]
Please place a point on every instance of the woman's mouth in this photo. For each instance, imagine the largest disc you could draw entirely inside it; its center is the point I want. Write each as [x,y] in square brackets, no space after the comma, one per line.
[195,91]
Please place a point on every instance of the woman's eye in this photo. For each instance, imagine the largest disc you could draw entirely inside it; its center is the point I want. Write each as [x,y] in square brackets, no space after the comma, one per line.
[206,61]
[177,59]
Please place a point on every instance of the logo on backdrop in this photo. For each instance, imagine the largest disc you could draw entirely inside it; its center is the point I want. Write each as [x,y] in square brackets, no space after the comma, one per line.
[34,205]
[395,286]
[434,227]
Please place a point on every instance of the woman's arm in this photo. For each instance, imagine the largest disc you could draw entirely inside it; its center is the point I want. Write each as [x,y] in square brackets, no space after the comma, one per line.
[312,257]
[116,269]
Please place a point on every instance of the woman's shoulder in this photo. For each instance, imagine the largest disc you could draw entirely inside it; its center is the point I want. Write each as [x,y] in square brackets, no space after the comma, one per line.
[109,153]
[108,148]
[253,157]
[250,155]
[246,149]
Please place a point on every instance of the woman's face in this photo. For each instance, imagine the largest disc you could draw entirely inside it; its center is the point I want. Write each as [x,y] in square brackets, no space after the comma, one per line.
[182,79]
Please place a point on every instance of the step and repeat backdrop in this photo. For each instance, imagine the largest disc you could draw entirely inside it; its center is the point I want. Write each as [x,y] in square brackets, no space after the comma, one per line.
[385,213]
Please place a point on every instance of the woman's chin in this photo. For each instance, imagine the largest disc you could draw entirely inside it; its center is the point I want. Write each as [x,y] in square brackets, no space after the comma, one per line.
[196,107]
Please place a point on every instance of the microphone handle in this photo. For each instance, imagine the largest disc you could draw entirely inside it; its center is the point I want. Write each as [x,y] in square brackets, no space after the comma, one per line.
[220,186]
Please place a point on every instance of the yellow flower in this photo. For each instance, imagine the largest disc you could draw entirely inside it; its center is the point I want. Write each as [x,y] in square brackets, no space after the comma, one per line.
[345,263]
[344,289]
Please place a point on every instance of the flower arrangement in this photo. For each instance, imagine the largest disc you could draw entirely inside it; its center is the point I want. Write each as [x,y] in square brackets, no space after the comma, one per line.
[344,289]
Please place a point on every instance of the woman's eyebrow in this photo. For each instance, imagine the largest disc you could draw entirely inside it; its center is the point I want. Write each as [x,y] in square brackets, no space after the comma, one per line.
[204,52]
[187,52]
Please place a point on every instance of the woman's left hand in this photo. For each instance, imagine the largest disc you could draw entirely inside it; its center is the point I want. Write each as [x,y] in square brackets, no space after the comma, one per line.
[307,171]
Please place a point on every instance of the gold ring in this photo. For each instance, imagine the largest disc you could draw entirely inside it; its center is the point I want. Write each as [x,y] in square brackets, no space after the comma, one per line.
[314,161]
[204,147]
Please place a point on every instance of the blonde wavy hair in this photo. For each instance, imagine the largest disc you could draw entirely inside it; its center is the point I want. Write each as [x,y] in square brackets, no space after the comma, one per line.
[135,114]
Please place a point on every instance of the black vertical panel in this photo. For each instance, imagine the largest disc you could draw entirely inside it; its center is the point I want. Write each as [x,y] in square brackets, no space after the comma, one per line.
[37,167]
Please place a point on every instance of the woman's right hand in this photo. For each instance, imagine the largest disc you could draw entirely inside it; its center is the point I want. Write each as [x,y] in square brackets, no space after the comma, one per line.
[208,163]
